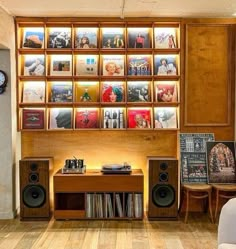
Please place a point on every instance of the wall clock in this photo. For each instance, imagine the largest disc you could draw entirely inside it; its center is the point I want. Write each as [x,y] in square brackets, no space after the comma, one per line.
[3,81]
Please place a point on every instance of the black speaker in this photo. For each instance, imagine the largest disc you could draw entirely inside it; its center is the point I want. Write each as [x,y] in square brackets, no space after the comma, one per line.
[163,189]
[34,188]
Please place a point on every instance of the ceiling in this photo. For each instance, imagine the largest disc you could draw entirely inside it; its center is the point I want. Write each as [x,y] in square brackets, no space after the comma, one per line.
[120,8]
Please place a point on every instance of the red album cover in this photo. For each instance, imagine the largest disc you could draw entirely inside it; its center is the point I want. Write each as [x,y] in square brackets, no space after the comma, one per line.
[139,118]
[33,119]
[166,92]
[86,119]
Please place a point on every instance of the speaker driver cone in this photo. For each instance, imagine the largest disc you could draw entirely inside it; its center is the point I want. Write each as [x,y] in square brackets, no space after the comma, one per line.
[163,195]
[34,196]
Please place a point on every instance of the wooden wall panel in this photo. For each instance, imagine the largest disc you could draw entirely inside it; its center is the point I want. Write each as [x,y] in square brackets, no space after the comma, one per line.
[101,147]
[207,75]
[207,105]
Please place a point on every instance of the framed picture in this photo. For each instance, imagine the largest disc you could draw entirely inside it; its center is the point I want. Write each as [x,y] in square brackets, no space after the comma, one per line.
[34,65]
[33,37]
[165,117]
[61,92]
[60,118]
[165,65]
[112,92]
[87,91]
[193,162]
[33,118]
[139,65]
[165,37]
[61,65]
[87,118]
[113,38]
[166,91]
[139,118]
[33,92]
[221,162]
[113,65]
[87,65]
[139,38]
[86,38]
[138,91]
[113,118]
[59,37]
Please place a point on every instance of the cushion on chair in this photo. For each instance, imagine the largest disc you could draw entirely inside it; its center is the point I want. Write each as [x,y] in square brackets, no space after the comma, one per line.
[227,246]
[227,225]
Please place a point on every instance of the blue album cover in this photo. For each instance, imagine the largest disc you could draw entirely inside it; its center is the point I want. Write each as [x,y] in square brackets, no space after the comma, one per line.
[139,65]
[61,92]
[33,38]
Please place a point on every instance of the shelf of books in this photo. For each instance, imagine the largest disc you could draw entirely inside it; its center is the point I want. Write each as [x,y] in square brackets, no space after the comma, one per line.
[98,75]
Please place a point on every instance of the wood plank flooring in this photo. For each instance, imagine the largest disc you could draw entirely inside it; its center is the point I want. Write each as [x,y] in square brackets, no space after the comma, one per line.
[198,233]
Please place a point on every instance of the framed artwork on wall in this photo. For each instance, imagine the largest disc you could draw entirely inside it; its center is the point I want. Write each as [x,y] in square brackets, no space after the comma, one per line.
[193,162]
[221,162]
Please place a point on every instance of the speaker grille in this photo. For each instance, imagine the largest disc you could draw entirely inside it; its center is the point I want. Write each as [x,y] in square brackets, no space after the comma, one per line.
[33,166]
[163,166]
[163,177]
[33,177]
[163,195]
[34,196]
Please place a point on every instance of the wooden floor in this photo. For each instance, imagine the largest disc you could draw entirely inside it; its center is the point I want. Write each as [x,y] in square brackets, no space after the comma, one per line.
[198,233]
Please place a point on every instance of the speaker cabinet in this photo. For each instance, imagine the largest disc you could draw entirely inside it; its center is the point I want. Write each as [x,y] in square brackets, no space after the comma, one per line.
[34,188]
[163,189]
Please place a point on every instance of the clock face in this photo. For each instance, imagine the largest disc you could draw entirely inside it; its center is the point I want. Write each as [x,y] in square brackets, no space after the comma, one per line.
[3,79]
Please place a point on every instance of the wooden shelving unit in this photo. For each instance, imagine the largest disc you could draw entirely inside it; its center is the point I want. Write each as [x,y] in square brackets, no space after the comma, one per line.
[151,108]
[84,196]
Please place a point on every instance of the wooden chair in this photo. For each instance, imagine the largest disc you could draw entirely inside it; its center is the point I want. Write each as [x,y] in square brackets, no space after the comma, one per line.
[197,191]
[225,191]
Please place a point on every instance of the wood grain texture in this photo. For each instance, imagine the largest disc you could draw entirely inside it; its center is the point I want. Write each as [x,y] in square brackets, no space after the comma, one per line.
[194,113]
[198,234]
[70,190]
[156,174]
[95,181]
[207,80]
[34,172]
[100,147]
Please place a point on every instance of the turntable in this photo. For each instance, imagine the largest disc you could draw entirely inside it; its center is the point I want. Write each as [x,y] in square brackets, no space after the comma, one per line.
[116,169]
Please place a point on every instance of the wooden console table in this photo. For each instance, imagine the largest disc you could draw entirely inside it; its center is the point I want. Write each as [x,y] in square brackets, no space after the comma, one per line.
[95,195]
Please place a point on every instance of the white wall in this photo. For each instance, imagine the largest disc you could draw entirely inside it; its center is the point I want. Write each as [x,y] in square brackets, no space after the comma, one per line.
[9,137]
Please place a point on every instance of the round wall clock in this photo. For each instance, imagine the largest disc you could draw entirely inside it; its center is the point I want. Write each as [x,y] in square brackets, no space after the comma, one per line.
[3,81]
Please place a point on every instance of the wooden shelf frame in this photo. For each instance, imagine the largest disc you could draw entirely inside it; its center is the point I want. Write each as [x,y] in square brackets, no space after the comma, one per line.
[71,190]
[73,24]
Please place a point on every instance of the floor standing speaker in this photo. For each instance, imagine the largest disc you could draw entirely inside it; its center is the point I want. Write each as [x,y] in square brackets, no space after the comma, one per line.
[163,189]
[34,188]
